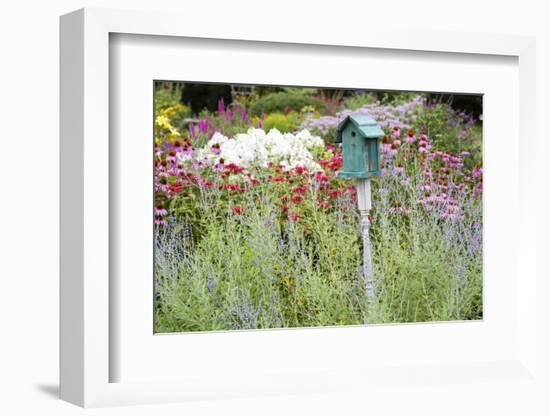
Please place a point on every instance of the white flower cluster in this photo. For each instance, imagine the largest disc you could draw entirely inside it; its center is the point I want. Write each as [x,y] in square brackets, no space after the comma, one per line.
[258,148]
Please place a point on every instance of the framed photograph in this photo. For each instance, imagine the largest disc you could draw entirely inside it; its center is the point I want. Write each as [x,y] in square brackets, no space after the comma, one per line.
[289,213]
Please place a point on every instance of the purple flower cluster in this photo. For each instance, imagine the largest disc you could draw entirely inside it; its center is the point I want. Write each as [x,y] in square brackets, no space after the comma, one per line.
[444,181]
[388,116]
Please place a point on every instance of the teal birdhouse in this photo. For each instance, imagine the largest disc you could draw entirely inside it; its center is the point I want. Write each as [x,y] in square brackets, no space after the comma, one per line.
[360,137]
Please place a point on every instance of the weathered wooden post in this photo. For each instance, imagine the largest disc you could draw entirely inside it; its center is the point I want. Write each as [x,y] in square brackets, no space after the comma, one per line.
[360,138]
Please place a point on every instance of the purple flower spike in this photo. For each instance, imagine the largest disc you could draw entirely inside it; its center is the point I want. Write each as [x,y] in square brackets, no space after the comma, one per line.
[263,115]
[229,115]
[221,106]
[192,130]
[203,125]
[243,114]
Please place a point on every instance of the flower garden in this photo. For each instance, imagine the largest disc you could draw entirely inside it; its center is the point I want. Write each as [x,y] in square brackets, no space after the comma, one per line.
[253,228]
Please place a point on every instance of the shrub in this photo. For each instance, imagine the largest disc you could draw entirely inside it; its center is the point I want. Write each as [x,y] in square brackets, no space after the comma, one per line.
[282,122]
[359,100]
[451,131]
[284,101]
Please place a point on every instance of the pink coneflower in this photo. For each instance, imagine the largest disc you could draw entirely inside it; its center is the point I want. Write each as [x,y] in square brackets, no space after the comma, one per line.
[216,149]
[411,139]
[396,132]
[297,199]
[220,164]
[160,211]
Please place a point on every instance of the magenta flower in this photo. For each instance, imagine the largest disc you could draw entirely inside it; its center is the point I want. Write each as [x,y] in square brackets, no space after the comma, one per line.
[396,132]
[203,125]
[160,211]
[221,106]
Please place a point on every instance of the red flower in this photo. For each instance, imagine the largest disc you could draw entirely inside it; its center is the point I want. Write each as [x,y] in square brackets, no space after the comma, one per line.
[237,209]
[321,203]
[232,167]
[278,179]
[297,199]
[299,189]
[335,193]
[335,163]
[321,177]
[300,169]
[175,188]
[232,187]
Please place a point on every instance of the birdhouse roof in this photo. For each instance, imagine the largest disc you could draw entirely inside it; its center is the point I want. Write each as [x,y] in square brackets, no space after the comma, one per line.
[366,125]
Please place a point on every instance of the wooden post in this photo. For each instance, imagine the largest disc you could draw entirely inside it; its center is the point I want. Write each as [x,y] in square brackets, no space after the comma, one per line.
[364,205]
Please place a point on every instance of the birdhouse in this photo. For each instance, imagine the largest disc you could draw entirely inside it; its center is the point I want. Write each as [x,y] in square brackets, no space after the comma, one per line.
[360,138]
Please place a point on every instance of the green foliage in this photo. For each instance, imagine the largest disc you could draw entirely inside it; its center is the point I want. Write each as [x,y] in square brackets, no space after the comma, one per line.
[247,272]
[282,122]
[255,270]
[284,101]
[449,132]
[359,100]
[166,95]
[429,269]
[167,104]
[395,98]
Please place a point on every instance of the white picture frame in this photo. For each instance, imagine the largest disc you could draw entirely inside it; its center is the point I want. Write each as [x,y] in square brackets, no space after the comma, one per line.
[86,356]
